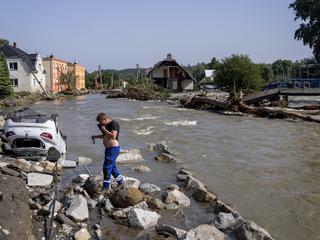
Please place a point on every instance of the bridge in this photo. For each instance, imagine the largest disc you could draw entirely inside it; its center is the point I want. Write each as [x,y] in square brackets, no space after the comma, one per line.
[254,98]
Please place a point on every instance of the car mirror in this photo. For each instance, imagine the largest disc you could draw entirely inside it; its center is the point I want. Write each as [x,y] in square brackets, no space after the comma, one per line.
[53,154]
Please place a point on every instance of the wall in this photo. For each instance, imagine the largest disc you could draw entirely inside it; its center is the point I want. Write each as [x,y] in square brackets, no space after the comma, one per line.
[187,84]
[40,76]
[24,79]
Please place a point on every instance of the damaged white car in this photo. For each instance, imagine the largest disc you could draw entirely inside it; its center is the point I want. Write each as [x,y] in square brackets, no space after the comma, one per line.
[29,134]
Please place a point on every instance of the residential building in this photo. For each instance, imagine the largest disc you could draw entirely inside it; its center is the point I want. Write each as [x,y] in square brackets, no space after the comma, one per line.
[55,68]
[26,70]
[209,74]
[169,74]
[79,73]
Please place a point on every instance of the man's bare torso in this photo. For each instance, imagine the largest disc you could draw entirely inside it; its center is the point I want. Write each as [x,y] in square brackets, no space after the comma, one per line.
[110,142]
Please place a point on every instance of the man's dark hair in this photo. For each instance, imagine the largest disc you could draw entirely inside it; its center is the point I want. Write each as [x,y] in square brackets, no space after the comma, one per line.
[101,116]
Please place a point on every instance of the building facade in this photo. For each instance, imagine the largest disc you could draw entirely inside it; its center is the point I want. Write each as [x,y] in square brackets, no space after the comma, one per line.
[79,73]
[55,68]
[26,71]
[169,74]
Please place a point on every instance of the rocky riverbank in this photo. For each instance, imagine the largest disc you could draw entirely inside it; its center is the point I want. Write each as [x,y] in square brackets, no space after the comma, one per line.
[27,196]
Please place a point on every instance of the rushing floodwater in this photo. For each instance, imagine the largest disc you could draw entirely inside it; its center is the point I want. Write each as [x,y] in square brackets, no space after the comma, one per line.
[269,170]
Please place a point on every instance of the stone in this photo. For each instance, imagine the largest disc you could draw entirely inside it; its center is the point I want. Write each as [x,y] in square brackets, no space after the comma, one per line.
[130,156]
[142,205]
[78,209]
[119,214]
[84,161]
[67,229]
[92,185]
[167,231]
[222,207]
[36,168]
[173,187]
[96,226]
[160,147]
[39,179]
[131,182]
[10,172]
[181,177]
[91,203]
[192,184]
[227,222]
[99,234]
[202,195]
[20,164]
[57,207]
[155,203]
[63,219]
[205,231]
[108,207]
[68,164]
[183,171]
[3,164]
[82,178]
[2,121]
[249,230]
[126,197]
[175,197]
[5,231]
[142,168]
[166,158]
[142,219]
[82,234]
[49,167]
[148,188]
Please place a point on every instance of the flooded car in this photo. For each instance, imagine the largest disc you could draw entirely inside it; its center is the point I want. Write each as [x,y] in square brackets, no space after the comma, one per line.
[29,134]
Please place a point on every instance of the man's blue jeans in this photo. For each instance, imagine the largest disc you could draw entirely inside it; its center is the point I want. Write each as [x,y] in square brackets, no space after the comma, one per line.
[109,166]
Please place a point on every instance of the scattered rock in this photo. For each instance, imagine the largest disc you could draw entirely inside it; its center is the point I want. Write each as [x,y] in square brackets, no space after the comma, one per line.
[67,229]
[36,168]
[49,167]
[39,179]
[78,209]
[205,232]
[185,172]
[68,164]
[10,172]
[222,207]
[119,214]
[160,147]
[175,197]
[57,207]
[82,178]
[92,185]
[108,207]
[227,222]
[142,169]
[143,219]
[165,157]
[20,164]
[142,205]
[167,231]
[82,234]
[155,203]
[5,231]
[202,195]
[181,177]
[148,188]
[173,187]
[130,156]
[84,160]
[3,164]
[192,184]
[62,219]
[126,197]
[131,182]
[249,230]
[92,203]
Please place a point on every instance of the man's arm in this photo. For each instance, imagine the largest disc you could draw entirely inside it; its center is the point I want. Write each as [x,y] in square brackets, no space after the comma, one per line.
[112,134]
[93,137]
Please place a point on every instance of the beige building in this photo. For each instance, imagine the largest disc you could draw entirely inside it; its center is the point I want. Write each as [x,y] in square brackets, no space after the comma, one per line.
[79,72]
[54,68]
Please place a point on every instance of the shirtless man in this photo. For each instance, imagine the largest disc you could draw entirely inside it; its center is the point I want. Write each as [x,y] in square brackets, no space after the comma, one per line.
[110,133]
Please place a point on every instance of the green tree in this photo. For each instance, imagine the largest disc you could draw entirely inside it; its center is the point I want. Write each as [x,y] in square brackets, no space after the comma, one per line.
[5,83]
[266,72]
[282,69]
[240,72]
[3,42]
[69,79]
[308,11]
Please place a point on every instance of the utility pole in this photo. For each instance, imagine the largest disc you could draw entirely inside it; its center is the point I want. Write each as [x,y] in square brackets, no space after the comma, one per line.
[111,80]
[137,72]
[100,76]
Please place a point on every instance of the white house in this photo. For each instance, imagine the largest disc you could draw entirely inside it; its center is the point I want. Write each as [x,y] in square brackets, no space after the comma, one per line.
[169,74]
[25,70]
[210,74]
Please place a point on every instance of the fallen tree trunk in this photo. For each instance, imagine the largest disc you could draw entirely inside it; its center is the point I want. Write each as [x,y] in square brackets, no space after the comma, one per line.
[235,103]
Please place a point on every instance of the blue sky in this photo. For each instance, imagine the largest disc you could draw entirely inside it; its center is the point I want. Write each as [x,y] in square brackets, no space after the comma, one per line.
[120,33]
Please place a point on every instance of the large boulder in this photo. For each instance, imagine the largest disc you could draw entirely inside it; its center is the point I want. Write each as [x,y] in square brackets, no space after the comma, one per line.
[126,197]
[175,198]
[148,188]
[92,185]
[130,156]
[131,182]
[202,195]
[227,222]
[249,230]
[39,179]
[78,209]
[143,219]
[205,231]
[155,203]
[168,231]
[222,207]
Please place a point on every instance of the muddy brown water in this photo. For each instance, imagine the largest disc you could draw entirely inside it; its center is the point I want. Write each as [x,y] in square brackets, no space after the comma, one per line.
[269,170]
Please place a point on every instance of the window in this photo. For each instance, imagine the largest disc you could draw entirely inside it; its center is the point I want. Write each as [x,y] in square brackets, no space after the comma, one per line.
[13,66]
[39,66]
[14,82]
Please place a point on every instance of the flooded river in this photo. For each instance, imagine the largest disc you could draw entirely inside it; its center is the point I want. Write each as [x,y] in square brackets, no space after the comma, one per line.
[269,170]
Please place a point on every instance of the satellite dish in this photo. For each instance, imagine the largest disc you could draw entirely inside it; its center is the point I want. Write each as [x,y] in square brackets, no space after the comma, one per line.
[53,154]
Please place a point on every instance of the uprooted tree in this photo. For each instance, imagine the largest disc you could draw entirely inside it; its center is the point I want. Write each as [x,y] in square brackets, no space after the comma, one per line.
[69,79]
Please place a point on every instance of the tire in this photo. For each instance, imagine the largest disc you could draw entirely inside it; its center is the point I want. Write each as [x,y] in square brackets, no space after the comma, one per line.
[297,84]
[306,85]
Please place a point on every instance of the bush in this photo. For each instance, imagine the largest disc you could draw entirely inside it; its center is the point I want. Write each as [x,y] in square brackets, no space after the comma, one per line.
[5,83]
[240,72]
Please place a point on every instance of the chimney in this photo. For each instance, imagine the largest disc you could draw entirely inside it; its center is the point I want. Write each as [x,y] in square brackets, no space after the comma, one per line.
[51,56]
[14,45]
[169,55]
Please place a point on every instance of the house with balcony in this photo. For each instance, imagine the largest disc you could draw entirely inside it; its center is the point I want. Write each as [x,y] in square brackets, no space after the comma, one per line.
[169,74]
[26,70]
